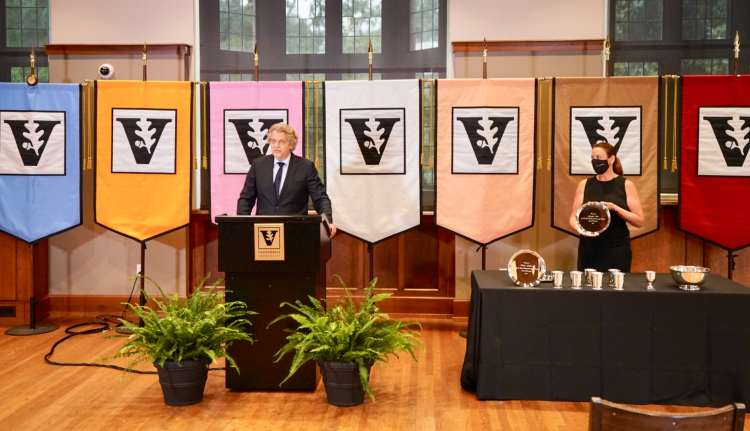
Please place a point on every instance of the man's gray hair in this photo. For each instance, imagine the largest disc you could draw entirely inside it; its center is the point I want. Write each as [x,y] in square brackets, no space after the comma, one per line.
[287,130]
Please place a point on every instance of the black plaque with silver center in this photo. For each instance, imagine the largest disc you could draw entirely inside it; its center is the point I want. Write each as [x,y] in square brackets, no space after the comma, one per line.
[593,218]
[526,268]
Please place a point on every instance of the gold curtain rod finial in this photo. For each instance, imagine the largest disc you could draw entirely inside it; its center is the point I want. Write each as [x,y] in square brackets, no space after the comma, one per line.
[32,79]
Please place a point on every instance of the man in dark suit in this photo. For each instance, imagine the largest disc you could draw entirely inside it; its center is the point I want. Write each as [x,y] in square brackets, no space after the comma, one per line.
[282,182]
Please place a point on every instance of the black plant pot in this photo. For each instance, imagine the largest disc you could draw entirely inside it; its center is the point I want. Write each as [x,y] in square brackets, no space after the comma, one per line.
[183,384]
[341,380]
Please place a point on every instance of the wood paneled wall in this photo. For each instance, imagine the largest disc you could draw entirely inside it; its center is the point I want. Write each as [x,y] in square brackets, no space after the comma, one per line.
[25,272]
[418,267]
[668,246]
[419,262]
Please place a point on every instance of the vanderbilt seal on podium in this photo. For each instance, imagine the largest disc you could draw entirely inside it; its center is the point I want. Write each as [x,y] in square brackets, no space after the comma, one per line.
[269,241]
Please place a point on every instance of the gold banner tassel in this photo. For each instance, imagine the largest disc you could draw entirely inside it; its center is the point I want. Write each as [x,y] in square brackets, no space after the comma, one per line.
[666,124]
[317,150]
[674,127]
[204,99]
[550,124]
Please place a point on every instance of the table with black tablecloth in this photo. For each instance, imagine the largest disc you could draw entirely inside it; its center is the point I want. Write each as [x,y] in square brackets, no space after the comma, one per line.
[635,346]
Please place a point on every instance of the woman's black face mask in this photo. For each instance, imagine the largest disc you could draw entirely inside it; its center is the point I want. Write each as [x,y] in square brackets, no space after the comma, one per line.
[600,166]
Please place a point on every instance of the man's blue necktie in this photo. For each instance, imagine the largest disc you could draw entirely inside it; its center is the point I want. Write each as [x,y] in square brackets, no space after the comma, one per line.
[277,181]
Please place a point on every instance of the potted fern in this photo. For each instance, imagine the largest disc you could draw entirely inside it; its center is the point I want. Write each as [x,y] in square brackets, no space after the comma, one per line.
[346,342]
[182,336]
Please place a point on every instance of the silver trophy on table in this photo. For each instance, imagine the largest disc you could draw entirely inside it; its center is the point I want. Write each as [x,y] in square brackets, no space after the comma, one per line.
[526,268]
[689,277]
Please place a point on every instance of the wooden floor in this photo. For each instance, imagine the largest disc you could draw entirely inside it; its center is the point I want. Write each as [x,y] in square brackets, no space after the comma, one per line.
[410,396]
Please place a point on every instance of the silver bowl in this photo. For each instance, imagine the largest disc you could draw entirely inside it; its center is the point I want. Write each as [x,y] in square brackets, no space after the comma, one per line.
[689,277]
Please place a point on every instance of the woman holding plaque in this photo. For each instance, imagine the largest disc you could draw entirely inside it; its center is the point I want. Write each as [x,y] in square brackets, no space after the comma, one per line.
[609,249]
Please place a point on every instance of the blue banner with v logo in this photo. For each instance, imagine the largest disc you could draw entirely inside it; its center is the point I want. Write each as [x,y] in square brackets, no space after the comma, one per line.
[40,159]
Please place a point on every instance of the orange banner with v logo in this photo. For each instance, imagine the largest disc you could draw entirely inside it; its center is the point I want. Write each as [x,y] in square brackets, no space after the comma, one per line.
[143,157]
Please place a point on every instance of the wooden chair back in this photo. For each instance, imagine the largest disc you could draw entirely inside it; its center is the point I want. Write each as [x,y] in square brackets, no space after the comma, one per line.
[607,416]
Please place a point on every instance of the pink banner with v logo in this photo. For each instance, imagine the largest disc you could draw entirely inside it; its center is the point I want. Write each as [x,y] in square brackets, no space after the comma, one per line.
[240,114]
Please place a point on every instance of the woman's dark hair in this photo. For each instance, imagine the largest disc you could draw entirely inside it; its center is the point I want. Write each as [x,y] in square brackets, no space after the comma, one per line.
[610,150]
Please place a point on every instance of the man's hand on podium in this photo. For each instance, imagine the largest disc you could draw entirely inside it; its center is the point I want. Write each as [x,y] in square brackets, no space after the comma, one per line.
[333,230]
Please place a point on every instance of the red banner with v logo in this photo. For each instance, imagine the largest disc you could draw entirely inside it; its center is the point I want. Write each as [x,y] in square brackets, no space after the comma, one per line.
[715,169]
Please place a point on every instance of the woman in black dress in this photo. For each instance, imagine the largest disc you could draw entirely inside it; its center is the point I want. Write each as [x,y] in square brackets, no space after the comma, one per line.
[611,248]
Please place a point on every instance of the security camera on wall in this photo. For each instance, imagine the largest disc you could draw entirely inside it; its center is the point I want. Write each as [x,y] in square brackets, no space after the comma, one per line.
[106,71]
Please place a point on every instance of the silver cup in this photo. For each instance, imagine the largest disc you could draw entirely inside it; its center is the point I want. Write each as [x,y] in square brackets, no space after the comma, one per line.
[611,276]
[596,280]
[587,281]
[619,279]
[575,279]
[650,277]
[557,279]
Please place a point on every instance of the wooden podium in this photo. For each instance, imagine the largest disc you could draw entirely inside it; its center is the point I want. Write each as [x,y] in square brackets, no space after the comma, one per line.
[244,241]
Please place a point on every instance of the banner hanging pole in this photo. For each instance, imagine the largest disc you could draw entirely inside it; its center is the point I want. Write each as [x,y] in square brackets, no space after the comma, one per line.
[736,54]
[484,59]
[142,274]
[32,328]
[371,250]
[144,62]
[369,58]
[142,299]
[607,51]
[32,80]
[255,53]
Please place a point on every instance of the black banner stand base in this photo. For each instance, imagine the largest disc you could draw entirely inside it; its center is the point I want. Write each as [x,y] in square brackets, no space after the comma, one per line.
[24,330]
[32,328]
